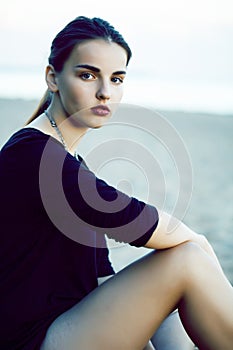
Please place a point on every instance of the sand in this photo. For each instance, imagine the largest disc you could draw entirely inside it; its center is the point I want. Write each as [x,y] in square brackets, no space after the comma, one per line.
[209,141]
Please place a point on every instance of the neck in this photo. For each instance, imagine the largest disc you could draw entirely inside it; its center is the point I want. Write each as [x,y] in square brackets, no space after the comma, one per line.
[69,134]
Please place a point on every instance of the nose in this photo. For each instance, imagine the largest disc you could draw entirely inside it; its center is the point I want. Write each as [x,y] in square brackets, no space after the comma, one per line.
[103,93]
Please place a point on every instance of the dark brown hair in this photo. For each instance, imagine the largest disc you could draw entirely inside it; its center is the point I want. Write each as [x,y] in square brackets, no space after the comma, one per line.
[80,29]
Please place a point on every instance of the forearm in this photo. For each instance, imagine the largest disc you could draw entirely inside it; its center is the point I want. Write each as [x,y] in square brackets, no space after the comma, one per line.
[171,232]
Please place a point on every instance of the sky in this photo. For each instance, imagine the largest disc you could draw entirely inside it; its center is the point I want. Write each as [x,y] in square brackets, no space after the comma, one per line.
[182,50]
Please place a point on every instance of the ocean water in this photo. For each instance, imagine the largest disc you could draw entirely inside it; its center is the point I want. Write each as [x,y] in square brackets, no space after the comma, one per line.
[198,96]
[25,84]
[193,96]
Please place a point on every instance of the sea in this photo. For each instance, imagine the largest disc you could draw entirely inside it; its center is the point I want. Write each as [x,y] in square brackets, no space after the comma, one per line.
[194,96]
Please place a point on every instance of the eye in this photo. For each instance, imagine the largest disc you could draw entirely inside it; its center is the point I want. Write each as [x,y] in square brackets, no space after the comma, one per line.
[117,80]
[87,76]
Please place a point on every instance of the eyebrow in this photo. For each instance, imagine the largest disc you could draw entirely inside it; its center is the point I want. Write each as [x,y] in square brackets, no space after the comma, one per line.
[97,70]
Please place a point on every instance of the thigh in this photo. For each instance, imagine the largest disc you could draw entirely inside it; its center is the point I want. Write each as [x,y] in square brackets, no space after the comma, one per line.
[171,335]
[125,311]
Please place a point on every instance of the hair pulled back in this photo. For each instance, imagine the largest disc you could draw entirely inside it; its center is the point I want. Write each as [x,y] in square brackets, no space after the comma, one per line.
[80,29]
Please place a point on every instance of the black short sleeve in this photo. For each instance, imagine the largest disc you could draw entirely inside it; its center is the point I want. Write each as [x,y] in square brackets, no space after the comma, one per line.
[104,208]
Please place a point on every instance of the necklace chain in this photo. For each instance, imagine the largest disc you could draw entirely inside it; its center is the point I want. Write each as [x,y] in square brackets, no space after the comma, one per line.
[58,131]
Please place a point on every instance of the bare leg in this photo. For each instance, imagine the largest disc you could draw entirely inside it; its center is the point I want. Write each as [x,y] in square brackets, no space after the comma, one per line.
[125,311]
[171,335]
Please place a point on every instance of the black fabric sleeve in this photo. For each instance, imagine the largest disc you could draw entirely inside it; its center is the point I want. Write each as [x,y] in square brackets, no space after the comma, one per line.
[106,209]
[97,206]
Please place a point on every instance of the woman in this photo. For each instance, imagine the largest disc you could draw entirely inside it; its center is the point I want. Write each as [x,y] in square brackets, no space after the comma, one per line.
[56,213]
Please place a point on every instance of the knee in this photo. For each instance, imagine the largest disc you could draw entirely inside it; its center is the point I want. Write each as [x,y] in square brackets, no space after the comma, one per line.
[189,253]
[187,256]
[191,249]
[191,257]
[181,262]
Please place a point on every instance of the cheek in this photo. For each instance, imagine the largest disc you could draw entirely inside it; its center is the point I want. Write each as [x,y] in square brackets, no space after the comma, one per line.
[74,93]
[68,86]
[118,94]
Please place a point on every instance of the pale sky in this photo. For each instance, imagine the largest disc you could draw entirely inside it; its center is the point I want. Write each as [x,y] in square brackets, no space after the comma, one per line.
[175,40]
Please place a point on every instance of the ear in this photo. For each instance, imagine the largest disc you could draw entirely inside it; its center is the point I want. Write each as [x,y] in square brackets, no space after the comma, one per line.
[50,76]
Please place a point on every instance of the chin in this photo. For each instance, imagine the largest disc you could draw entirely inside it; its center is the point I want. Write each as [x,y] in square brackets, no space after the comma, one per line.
[99,123]
[97,126]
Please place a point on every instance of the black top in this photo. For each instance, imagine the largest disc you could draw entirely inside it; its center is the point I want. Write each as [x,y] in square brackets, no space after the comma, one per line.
[54,214]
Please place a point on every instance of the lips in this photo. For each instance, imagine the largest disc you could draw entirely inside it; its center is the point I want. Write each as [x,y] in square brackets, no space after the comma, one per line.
[100,110]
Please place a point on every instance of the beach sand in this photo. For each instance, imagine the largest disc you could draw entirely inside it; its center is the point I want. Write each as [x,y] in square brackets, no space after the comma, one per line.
[209,141]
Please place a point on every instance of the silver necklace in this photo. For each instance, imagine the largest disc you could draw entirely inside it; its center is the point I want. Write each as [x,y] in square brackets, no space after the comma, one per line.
[54,125]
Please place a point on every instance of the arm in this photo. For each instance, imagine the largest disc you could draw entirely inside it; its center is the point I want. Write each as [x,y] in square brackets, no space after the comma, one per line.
[171,232]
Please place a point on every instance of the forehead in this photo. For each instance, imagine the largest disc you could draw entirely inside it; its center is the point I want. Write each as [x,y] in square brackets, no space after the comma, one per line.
[99,53]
